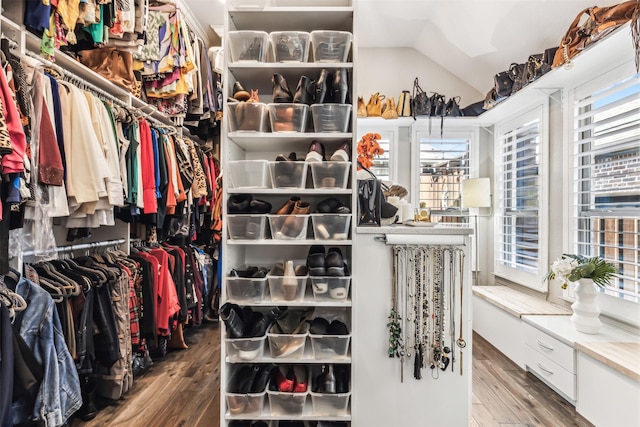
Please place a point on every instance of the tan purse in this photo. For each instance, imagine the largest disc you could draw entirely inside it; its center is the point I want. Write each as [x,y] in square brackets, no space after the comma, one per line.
[116,66]
[374,107]
[389,110]
[362,109]
[404,104]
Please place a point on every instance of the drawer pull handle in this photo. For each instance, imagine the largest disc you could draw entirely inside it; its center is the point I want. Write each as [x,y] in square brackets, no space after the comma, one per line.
[545,346]
[545,369]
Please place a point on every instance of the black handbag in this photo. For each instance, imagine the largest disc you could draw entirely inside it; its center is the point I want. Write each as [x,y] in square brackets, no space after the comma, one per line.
[452,108]
[370,199]
[518,73]
[421,105]
[369,202]
[503,84]
[438,105]
[473,110]
[540,64]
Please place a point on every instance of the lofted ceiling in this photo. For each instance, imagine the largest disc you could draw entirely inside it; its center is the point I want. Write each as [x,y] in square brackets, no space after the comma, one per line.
[472,39]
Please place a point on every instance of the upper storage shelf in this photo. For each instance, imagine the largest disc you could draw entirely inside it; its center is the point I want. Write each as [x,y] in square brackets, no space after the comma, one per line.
[292,19]
[607,54]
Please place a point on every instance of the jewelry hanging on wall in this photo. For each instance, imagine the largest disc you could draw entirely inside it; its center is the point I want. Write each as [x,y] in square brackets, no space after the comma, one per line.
[461,342]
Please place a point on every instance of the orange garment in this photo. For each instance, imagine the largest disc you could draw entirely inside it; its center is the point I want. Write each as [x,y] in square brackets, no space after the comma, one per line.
[167,304]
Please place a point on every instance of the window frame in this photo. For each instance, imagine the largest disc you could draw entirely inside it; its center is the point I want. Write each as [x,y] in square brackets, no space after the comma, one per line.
[569,219]
[364,128]
[470,133]
[530,280]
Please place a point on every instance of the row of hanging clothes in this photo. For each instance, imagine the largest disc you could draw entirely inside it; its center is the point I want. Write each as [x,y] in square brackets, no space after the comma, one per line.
[78,331]
[168,65]
[73,154]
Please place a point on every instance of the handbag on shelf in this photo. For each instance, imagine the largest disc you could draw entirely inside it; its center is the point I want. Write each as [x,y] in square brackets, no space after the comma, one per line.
[599,22]
[389,110]
[404,104]
[421,104]
[438,105]
[473,110]
[539,64]
[502,83]
[452,109]
[374,106]
[114,65]
[518,74]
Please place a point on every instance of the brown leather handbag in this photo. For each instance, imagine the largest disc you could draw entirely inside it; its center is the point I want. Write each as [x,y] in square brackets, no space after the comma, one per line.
[114,65]
[374,106]
[600,22]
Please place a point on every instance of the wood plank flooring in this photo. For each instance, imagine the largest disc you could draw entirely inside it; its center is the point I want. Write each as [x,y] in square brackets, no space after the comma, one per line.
[183,391]
[506,396]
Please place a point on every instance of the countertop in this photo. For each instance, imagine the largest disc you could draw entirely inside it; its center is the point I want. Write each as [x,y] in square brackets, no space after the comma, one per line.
[517,303]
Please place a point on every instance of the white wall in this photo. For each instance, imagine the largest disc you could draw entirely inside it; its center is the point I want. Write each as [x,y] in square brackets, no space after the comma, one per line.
[392,70]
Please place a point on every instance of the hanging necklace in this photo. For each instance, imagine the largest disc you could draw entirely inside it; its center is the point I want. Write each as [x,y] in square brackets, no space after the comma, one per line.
[461,342]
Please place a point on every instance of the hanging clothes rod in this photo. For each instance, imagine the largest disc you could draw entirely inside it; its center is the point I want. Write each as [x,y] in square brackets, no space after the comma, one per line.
[82,246]
[101,92]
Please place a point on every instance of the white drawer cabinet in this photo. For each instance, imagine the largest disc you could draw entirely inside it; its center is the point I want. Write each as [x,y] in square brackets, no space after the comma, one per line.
[558,352]
[551,372]
[551,360]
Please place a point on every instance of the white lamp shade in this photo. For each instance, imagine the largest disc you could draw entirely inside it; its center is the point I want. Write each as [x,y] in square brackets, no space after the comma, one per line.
[476,193]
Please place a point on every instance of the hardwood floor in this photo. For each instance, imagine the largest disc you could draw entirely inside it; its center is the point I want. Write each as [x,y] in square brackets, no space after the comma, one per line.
[183,391]
[506,396]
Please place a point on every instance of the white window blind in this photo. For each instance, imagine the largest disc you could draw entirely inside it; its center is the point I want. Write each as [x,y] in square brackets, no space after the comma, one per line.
[520,254]
[443,164]
[605,201]
[382,164]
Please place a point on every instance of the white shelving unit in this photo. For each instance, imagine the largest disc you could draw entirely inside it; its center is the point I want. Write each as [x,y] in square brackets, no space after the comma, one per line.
[285,15]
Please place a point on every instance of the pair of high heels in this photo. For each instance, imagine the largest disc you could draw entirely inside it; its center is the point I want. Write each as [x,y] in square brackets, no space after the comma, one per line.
[295,380]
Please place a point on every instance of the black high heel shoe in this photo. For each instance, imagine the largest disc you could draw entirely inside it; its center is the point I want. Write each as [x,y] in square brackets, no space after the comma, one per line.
[281,92]
[322,87]
[305,91]
[340,86]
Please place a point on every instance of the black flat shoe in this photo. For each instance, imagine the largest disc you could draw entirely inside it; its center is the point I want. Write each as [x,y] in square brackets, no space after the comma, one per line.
[337,327]
[318,326]
[335,262]
[239,203]
[316,261]
[259,207]
[332,205]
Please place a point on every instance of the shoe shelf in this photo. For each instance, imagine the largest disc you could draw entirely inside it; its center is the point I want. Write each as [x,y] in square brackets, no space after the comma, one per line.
[276,16]
[300,242]
[291,18]
[286,191]
[286,141]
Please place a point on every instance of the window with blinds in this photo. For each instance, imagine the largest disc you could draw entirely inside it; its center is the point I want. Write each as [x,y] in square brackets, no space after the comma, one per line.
[443,164]
[382,164]
[519,251]
[605,201]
